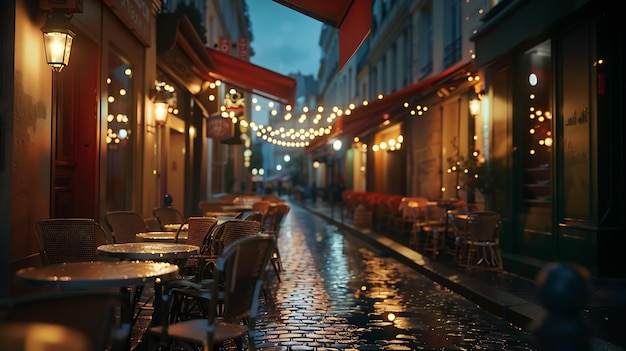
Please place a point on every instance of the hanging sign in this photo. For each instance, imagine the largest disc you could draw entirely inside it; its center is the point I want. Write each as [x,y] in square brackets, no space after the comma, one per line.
[234,101]
[243,49]
[224,45]
[218,127]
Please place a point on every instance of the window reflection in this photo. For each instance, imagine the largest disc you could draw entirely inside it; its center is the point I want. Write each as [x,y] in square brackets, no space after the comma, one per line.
[537,161]
[119,133]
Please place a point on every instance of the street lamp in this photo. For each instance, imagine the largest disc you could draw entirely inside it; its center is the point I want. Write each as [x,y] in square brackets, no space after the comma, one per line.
[57,40]
[161,107]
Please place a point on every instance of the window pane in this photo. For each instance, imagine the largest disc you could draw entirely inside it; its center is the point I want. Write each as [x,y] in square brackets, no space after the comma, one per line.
[119,134]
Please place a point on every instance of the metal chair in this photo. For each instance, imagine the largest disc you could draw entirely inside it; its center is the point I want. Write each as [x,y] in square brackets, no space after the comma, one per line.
[168,215]
[238,281]
[482,243]
[125,224]
[69,239]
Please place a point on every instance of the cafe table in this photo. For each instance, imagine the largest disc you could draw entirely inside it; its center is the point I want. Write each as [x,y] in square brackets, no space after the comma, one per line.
[99,274]
[152,251]
[162,236]
[96,274]
[27,336]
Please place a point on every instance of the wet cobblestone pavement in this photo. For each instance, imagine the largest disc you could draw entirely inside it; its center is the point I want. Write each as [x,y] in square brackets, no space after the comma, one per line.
[339,293]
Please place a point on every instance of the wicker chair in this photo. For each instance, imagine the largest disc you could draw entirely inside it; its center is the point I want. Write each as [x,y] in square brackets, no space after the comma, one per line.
[168,215]
[198,232]
[241,269]
[69,239]
[482,243]
[276,216]
[125,224]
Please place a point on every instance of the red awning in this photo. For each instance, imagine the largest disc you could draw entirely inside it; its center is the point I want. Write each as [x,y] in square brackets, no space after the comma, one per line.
[353,18]
[366,117]
[331,12]
[252,78]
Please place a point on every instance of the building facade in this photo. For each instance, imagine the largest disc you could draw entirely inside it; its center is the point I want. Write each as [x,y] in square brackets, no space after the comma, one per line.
[531,111]
[554,90]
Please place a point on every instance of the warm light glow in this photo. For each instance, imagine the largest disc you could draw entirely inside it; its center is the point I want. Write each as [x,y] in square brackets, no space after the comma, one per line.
[57,40]
[474,107]
[316,164]
[160,113]
[532,79]
[337,145]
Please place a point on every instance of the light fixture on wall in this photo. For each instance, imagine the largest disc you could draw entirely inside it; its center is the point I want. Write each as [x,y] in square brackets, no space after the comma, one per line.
[160,100]
[57,39]
[161,107]
[475,104]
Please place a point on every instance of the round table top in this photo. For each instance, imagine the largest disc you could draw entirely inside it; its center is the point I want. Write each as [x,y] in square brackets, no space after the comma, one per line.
[174,227]
[22,336]
[148,250]
[98,274]
[162,236]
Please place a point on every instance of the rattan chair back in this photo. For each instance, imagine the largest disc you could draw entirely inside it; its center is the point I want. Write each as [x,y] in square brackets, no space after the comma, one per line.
[124,225]
[69,239]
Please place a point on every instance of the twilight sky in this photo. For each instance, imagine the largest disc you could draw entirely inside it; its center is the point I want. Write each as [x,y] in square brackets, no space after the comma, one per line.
[285,41]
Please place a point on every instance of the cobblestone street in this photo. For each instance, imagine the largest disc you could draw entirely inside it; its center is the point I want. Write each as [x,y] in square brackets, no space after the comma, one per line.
[337,292]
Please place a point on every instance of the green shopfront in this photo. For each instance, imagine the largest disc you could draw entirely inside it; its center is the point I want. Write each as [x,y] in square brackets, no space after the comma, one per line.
[553,82]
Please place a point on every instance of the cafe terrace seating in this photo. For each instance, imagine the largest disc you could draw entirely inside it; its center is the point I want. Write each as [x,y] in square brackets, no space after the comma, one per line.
[435,228]
[483,241]
[263,207]
[94,314]
[168,215]
[69,239]
[251,216]
[239,276]
[272,225]
[219,238]
[209,206]
[124,225]
[199,228]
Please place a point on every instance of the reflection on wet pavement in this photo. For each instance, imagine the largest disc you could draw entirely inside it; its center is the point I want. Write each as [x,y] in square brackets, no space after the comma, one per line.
[337,292]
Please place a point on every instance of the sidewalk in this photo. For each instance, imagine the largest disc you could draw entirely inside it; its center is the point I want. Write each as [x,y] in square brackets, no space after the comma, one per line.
[508,296]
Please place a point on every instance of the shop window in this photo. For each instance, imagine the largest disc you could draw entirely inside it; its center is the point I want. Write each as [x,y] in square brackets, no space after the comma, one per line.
[537,134]
[425,40]
[119,133]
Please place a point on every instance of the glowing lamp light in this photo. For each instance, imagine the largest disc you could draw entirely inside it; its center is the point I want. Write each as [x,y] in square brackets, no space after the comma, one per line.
[57,40]
[337,145]
[160,113]
[161,106]
[474,107]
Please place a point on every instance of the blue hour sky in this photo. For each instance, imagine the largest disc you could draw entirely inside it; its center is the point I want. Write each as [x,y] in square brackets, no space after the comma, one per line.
[284,40]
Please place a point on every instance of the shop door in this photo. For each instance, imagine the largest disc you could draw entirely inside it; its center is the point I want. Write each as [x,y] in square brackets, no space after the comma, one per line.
[75,134]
